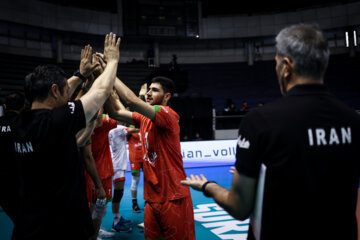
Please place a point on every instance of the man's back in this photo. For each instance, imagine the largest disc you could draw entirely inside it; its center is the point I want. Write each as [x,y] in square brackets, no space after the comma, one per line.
[51,173]
[309,143]
[9,183]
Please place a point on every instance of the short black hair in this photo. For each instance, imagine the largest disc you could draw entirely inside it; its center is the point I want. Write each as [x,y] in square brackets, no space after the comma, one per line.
[14,101]
[38,83]
[166,83]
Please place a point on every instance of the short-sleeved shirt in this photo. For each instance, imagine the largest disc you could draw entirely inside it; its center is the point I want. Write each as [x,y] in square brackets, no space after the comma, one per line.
[310,145]
[51,173]
[9,183]
[118,141]
[163,165]
[100,148]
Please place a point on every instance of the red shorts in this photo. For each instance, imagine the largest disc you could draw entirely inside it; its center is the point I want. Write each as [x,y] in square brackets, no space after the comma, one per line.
[170,220]
[136,166]
[107,185]
[136,163]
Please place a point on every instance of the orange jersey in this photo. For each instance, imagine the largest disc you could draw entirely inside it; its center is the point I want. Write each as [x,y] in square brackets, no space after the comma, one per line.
[100,148]
[163,165]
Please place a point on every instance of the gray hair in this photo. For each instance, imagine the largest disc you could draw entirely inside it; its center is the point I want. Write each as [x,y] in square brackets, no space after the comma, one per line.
[307,47]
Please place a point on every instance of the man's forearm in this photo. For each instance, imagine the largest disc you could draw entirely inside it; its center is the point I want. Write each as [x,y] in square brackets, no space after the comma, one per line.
[117,110]
[90,166]
[73,82]
[106,80]
[100,90]
[238,201]
[220,195]
[235,203]
[84,135]
[125,93]
[132,100]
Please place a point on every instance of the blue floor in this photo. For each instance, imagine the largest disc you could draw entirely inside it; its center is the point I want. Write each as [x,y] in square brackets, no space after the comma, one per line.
[211,222]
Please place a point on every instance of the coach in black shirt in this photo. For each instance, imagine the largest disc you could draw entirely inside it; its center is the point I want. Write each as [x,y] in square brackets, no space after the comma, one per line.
[309,144]
[9,183]
[52,198]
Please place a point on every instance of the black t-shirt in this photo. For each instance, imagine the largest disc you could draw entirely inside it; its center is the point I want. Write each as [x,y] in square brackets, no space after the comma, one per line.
[9,184]
[54,196]
[310,144]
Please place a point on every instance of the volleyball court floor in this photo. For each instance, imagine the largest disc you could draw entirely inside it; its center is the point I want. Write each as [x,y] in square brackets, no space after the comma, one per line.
[211,222]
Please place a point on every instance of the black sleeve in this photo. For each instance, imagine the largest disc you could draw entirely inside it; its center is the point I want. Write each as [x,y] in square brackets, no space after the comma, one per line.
[69,117]
[248,149]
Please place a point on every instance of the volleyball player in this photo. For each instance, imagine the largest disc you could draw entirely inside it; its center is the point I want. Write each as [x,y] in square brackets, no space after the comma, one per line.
[118,142]
[168,210]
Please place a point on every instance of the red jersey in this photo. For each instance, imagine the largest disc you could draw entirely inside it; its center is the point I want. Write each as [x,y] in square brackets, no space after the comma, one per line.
[163,165]
[100,148]
[135,147]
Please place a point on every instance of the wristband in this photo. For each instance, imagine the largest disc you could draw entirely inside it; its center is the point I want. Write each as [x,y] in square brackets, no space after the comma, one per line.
[79,75]
[203,188]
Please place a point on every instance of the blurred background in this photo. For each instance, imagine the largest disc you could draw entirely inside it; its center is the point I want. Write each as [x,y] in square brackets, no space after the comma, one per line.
[219,53]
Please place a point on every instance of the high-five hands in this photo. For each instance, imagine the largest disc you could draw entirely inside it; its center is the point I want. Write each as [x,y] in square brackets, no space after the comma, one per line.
[111,48]
[86,67]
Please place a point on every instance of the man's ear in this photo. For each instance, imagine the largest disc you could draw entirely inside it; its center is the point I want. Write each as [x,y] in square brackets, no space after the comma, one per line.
[55,91]
[288,68]
[167,97]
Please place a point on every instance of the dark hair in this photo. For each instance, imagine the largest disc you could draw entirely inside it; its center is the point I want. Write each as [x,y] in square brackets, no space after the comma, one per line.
[166,83]
[14,101]
[38,83]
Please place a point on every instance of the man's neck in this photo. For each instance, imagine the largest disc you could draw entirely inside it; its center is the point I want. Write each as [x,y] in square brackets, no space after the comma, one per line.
[301,81]
[41,105]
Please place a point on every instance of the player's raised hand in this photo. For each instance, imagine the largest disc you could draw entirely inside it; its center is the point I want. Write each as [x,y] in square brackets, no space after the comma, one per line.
[143,89]
[100,58]
[195,181]
[101,64]
[111,48]
[86,67]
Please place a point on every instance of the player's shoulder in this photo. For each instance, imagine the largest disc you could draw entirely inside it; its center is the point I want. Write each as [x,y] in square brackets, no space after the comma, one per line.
[166,109]
[107,121]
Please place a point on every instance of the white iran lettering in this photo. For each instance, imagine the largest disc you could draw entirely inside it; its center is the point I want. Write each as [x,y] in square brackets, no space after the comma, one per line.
[333,137]
[346,135]
[320,136]
[29,147]
[311,139]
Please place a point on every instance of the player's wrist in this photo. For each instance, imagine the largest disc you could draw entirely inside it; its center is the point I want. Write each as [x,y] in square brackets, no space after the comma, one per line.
[98,185]
[78,74]
[203,188]
[112,61]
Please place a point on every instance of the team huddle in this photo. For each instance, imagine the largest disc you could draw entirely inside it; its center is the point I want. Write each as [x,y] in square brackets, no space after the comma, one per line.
[77,154]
